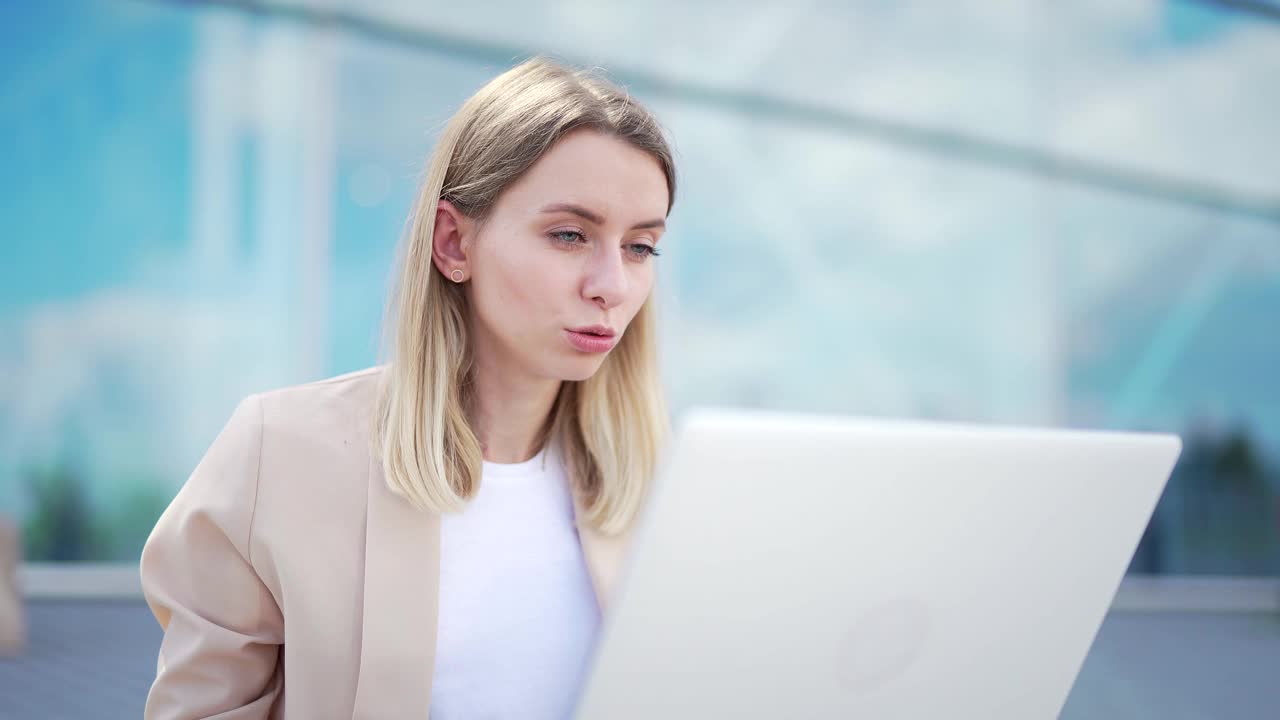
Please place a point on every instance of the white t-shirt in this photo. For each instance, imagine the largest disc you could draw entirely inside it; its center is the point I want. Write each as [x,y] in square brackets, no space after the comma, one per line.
[518,617]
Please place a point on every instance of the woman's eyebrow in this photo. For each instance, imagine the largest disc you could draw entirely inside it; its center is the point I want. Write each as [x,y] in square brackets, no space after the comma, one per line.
[596,218]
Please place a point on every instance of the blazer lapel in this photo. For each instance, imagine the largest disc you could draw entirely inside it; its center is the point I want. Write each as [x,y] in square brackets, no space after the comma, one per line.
[401,605]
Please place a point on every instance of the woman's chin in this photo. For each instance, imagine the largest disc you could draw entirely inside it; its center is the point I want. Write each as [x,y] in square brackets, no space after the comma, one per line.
[580,368]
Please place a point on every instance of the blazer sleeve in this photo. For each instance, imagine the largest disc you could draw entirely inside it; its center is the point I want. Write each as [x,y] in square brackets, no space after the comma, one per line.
[222,626]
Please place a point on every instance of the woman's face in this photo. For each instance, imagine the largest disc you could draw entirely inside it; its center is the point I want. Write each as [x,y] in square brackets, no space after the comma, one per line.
[564,261]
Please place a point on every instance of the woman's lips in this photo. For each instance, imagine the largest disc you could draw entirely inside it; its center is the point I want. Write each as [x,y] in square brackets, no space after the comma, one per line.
[588,343]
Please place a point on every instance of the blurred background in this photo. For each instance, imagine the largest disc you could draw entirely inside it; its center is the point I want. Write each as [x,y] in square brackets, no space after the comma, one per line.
[1017,211]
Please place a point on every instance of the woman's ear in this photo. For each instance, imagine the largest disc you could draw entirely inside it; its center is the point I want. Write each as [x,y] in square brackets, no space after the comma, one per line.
[450,241]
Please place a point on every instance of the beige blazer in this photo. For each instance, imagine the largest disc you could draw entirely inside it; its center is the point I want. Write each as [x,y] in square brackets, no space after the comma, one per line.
[290,582]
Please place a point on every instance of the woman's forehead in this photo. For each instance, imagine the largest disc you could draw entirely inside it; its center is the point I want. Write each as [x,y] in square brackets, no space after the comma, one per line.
[603,175]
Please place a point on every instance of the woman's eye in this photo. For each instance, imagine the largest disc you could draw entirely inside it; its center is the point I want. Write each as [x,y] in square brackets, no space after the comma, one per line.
[569,237]
[643,251]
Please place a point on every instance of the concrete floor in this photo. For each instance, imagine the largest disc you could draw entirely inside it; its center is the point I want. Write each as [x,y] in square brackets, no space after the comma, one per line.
[96,659]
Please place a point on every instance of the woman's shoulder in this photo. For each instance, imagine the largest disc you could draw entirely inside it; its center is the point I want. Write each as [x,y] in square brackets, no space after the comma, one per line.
[281,490]
[318,432]
[313,473]
[333,407]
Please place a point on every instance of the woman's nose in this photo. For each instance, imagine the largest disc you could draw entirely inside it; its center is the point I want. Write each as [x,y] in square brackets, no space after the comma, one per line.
[606,281]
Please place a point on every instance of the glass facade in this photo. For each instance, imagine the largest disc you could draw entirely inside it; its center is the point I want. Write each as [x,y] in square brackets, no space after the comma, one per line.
[1032,212]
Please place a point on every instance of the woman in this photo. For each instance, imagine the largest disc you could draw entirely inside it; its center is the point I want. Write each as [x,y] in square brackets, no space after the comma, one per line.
[441,533]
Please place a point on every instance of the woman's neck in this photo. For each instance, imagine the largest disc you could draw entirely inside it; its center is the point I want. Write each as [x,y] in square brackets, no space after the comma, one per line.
[510,413]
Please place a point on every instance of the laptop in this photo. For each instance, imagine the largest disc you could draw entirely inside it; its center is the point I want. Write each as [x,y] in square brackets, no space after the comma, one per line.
[792,566]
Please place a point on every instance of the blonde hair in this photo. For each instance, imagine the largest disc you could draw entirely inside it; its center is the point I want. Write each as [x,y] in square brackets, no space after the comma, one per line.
[608,428]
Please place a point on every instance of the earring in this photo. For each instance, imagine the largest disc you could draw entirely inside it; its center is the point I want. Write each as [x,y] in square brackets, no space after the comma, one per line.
[456,275]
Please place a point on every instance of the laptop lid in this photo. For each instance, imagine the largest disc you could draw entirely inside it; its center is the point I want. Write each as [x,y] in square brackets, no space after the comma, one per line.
[798,566]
